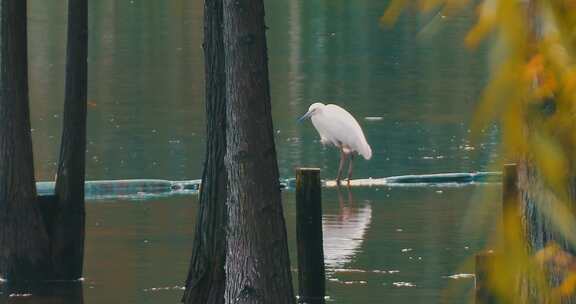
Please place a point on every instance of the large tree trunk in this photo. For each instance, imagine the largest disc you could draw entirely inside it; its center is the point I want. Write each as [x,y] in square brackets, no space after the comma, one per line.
[23,240]
[67,226]
[206,277]
[257,262]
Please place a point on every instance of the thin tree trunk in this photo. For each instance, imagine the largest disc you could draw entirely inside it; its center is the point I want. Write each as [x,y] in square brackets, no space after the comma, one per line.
[67,226]
[23,240]
[67,233]
[206,277]
[257,262]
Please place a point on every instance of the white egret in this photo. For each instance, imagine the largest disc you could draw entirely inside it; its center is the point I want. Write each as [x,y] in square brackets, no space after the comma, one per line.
[338,127]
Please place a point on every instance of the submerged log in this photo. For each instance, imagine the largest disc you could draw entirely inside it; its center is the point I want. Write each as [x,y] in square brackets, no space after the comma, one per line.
[126,188]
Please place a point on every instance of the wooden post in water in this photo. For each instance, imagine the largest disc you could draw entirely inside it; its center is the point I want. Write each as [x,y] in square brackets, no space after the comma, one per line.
[311,273]
[510,203]
[512,230]
[483,293]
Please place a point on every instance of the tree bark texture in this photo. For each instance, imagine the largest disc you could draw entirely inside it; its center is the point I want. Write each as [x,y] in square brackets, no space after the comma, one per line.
[537,200]
[207,277]
[257,262]
[67,227]
[23,240]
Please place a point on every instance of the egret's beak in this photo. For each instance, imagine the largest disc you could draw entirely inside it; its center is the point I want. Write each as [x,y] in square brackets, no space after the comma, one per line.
[304,117]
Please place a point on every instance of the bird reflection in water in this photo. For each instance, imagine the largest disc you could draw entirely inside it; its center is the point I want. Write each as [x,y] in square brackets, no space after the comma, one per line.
[344,232]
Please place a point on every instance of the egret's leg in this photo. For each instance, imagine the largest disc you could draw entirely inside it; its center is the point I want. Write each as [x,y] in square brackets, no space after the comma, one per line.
[340,197]
[350,168]
[341,167]
[350,196]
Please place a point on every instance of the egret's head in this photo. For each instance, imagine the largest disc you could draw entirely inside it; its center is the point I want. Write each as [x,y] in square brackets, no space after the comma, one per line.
[314,109]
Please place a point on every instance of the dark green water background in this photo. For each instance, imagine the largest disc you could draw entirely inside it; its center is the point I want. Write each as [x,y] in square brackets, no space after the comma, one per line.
[146,120]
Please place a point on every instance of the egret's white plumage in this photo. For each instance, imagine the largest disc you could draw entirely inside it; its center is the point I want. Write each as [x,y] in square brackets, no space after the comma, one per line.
[338,127]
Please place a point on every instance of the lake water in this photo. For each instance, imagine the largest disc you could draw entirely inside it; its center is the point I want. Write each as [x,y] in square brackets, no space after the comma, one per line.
[146,120]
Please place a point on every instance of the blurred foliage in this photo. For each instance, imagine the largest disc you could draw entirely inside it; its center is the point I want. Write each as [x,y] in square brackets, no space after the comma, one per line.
[531,96]
[533,76]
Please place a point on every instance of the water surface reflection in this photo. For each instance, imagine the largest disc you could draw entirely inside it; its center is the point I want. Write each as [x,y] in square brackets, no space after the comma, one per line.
[45,293]
[345,230]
